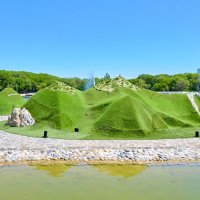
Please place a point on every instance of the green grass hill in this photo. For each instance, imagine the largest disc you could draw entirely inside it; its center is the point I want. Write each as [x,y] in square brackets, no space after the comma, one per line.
[123,110]
[143,112]
[9,99]
[58,109]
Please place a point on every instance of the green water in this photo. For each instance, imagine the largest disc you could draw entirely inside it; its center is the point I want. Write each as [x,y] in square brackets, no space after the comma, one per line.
[104,182]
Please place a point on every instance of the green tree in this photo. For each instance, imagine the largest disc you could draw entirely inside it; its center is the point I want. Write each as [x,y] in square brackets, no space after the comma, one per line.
[140,83]
[182,85]
[160,87]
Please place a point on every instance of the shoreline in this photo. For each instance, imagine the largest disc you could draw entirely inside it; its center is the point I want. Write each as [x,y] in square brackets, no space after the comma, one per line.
[21,149]
[78,163]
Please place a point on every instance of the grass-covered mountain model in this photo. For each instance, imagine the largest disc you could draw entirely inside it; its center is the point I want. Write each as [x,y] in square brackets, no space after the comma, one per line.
[9,99]
[139,112]
[112,109]
[60,109]
[125,109]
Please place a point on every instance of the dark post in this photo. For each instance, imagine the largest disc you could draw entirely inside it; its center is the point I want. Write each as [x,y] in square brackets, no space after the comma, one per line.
[76,130]
[45,134]
[197,134]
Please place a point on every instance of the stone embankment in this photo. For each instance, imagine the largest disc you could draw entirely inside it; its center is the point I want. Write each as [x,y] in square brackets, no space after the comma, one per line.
[14,148]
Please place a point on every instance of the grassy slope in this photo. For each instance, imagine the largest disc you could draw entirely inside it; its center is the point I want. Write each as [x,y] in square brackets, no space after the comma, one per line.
[9,99]
[142,111]
[58,109]
[123,113]
[128,114]
[197,100]
[177,106]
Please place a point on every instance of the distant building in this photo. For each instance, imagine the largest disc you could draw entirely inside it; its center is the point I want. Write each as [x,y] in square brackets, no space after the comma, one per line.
[198,85]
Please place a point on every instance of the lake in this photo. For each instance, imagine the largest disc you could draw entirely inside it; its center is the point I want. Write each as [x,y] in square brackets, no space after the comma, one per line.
[100,182]
[27,97]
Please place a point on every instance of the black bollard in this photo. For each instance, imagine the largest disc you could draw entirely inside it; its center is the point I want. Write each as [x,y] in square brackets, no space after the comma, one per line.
[45,134]
[197,134]
[76,130]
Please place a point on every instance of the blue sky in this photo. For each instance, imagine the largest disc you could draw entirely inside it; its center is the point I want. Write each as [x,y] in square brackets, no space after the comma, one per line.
[79,37]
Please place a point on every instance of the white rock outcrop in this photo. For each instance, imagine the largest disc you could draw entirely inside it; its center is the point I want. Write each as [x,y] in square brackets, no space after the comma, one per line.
[111,84]
[21,118]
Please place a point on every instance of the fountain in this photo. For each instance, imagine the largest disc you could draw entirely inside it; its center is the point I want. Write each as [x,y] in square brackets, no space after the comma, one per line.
[90,82]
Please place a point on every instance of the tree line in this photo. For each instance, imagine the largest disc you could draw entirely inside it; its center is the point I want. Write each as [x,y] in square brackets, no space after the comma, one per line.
[165,82]
[24,82]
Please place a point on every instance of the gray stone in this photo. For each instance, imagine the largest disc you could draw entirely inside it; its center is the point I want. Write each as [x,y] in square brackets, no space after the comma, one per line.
[15,148]
[21,118]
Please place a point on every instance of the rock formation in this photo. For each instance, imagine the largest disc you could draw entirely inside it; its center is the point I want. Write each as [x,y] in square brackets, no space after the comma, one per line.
[110,84]
[21,118]
[62,87]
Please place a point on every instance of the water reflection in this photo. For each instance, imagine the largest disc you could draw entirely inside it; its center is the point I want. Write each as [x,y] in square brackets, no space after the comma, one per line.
[56,170]
[99,182]
[124,171]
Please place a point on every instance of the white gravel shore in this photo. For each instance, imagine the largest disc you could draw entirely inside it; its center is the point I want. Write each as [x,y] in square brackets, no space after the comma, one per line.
[15,148]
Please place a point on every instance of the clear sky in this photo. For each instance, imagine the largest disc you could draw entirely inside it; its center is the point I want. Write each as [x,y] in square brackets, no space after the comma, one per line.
[77,37]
